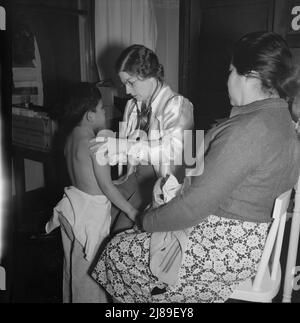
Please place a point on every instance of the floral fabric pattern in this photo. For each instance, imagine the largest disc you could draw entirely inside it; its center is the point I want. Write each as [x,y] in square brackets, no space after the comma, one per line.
[221,253]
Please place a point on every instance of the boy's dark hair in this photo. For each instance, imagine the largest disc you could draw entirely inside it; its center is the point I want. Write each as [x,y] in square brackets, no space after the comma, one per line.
[81,98]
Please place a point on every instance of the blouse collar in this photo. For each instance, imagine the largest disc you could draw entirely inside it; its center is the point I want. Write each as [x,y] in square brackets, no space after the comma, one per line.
[156,101]
[273,103]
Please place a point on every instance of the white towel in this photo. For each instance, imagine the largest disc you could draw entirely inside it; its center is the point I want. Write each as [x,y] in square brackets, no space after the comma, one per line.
[167,249]
[165,189]
[89,216]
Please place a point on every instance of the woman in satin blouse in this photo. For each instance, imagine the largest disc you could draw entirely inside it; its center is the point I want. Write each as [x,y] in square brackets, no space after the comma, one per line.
[157,116]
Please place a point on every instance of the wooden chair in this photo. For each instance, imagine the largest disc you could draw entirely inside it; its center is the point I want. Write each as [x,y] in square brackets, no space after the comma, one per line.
[265,286]
[293,248]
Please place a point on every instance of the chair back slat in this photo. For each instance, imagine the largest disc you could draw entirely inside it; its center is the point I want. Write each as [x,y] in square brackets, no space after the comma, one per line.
[281,204]
[278,246]
[293,248]
[275,236]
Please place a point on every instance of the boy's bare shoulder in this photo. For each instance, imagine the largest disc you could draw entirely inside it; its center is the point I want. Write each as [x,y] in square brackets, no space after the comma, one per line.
[80,144]
[83,147]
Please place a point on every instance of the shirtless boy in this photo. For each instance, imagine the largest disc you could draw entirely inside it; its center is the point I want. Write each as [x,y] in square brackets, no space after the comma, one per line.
[84,212]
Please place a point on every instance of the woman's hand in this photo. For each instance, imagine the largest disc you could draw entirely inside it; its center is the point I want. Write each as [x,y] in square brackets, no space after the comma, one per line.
[108,150]
[98,143]
[99,149]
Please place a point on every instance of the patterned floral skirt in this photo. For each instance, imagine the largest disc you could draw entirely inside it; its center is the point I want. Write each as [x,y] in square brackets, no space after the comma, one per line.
[220,254]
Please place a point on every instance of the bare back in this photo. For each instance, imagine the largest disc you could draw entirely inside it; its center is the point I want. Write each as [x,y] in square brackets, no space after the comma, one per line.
[79,162]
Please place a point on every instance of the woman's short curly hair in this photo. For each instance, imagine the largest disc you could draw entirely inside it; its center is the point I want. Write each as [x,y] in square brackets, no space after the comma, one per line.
[140,61]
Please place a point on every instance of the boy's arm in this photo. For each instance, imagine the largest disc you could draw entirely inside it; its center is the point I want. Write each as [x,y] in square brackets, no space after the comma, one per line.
[102,174]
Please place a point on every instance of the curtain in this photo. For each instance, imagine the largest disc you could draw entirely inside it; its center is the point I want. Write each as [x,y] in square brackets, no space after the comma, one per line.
[119,24]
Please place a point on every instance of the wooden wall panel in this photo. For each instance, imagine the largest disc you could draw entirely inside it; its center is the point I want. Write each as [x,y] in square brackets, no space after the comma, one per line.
[208,31]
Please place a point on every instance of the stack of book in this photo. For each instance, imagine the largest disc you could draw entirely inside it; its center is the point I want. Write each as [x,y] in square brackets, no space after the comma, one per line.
[32,129]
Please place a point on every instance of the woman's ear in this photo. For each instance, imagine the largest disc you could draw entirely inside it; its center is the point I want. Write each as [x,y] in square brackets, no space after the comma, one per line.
[253,78]
[253,74]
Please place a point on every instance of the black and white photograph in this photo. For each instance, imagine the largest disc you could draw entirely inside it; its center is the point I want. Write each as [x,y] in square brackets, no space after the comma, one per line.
[150,154]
